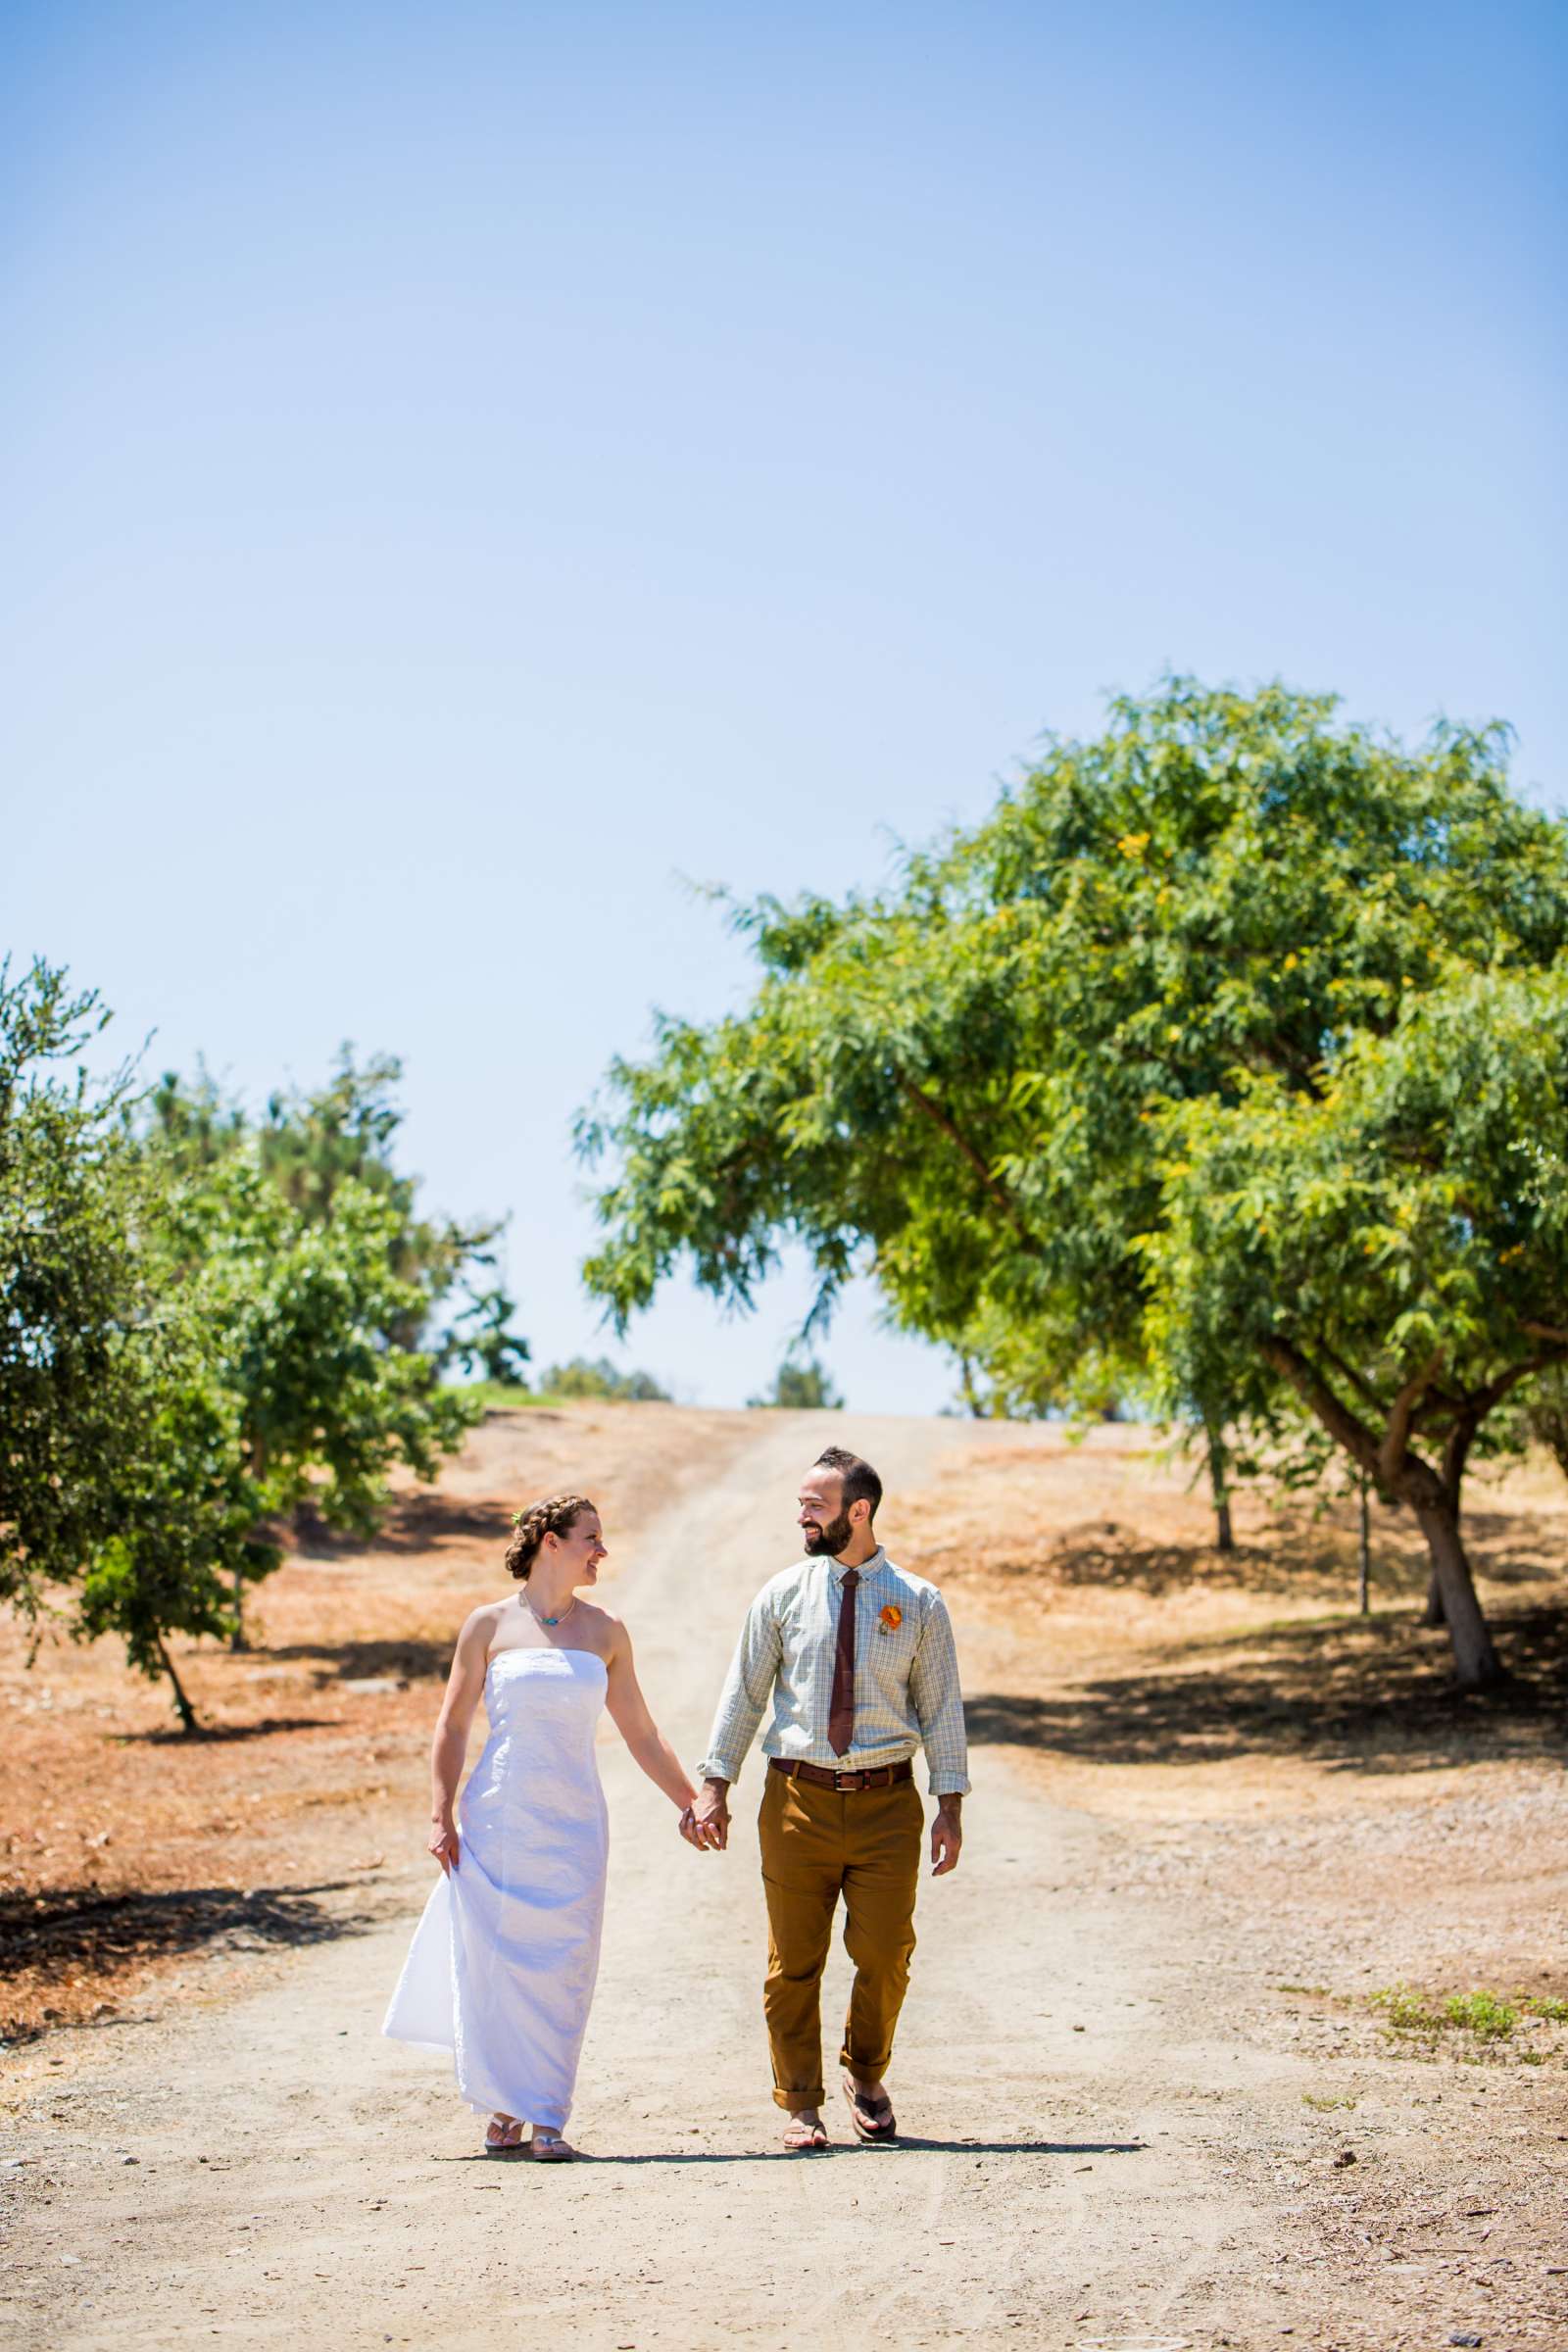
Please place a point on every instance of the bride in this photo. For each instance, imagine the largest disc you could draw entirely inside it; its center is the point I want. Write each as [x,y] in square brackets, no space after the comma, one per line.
[502,1966]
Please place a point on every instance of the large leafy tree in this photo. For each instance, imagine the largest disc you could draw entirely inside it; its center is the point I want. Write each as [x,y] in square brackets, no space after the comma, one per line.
[284,1388]
[1391,1246]
[966,1082]
[311,1141]
[300,1245]
[202,1324]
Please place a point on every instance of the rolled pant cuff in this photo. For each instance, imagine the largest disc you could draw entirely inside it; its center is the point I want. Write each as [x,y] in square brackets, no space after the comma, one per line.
[791,2100]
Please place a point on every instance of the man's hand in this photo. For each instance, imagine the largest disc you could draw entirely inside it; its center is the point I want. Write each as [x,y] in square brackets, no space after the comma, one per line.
[947,1835]
[710,1816]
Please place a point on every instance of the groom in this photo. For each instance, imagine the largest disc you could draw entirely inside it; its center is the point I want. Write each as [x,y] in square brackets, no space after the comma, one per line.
[858,1659]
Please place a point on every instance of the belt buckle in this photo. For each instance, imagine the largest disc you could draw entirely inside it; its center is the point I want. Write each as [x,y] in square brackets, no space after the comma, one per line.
[849,1780]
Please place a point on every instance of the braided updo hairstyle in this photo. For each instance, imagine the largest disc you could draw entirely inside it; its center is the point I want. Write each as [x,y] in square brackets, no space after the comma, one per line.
[554,1516]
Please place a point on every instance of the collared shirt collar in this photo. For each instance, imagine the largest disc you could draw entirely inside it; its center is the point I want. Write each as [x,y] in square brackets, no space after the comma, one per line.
[868,1568]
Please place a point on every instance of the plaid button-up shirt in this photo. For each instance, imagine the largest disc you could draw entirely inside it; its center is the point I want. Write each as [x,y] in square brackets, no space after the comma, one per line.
[907,1692]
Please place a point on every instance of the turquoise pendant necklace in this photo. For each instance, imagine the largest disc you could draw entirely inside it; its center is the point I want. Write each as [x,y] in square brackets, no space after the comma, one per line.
[561,1619]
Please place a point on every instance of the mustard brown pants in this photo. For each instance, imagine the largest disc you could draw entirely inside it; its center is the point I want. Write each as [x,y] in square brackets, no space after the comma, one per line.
[818,1844]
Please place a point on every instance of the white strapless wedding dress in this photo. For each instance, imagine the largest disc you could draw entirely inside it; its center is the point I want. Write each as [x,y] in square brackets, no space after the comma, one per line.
[502,1966]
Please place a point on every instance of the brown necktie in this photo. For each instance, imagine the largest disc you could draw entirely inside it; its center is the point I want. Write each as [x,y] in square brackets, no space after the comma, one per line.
[841,1710]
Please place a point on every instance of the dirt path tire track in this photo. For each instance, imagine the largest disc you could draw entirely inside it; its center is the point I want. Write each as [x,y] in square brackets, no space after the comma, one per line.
[1050,2189]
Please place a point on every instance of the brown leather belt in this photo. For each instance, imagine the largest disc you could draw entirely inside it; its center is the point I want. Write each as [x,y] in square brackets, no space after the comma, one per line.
[880,1776]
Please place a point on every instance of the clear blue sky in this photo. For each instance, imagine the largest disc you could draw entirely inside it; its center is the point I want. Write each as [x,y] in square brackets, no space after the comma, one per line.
[465,467]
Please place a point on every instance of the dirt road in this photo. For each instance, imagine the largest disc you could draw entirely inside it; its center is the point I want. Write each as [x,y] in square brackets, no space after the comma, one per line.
[1091,2157]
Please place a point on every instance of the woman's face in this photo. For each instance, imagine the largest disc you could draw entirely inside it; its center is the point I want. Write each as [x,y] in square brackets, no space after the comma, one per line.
[578,1553]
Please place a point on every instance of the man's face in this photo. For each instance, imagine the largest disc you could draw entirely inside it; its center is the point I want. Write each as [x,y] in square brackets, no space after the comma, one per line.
[824,1523]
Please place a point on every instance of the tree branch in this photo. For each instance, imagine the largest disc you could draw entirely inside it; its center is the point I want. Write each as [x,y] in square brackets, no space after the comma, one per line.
[1363,1388]
[1397,1437]
[1485,1399]
[1456,1453]
[976,1158]
[1336,1416]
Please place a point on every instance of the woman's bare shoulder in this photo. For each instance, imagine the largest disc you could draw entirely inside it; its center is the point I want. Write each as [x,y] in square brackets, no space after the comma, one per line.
[486,1619]
[600,1627]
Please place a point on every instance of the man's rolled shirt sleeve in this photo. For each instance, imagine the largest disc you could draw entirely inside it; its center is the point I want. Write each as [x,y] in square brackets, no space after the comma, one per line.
[747,1687]
[939,1703]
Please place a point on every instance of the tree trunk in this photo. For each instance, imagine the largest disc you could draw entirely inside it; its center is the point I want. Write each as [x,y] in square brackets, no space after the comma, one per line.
[1434,1610]
[256,1447]
[1365,1579]
[1475,1660]
[1224,1538]
[187,1713]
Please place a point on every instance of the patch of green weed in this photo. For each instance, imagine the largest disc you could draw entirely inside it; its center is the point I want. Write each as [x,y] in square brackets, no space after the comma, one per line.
[1407,2012]
[1487,2017]
[1483,2014]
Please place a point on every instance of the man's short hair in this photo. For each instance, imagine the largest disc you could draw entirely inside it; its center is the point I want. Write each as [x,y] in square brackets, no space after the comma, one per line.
[860,1482]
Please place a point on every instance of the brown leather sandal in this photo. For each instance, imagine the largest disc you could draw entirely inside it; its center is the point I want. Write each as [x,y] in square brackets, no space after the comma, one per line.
[552,2150]
[502,2136]
[800,2137]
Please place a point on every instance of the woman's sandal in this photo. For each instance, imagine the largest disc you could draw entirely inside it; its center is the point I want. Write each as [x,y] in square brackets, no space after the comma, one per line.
[873,2119]
[799,2136]
[502,2136]
[551,2148]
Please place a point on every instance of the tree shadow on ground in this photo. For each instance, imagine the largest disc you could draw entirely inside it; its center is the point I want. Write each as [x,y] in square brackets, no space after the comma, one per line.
[1301,1552]
[216,1734]
[67,1932]
[421,1521]
[1357,1693]
[404,1658]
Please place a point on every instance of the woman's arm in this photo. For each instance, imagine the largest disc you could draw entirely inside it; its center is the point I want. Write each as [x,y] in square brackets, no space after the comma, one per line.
[629,1712]
[450,1745]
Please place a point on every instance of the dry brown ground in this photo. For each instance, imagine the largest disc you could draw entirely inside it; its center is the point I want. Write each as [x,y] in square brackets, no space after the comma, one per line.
[1283,1808]
[1300,1784]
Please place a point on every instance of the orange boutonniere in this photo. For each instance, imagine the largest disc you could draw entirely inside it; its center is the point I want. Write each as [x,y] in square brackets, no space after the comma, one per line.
[891,1618]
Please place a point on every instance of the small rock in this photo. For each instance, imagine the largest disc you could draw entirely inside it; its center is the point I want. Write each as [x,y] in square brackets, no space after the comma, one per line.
[1345,2156]
[1462,2335]
[130,2160]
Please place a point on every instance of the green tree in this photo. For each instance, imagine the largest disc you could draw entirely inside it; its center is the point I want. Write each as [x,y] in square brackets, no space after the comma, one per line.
[76,1358]
[295,1305]
[966,1084]
[597,1377]
[803,1387]
[1387,1248]
[193,1339]
[312,1143]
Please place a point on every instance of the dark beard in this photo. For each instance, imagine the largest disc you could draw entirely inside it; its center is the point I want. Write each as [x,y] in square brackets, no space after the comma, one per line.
[832,1539]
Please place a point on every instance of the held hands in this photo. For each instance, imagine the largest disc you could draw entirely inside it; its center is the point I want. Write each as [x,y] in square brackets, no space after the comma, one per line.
[705,1823]
[444,1842]
[947,1838]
